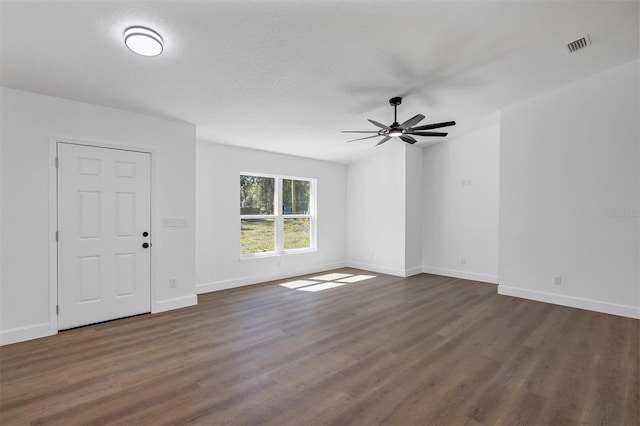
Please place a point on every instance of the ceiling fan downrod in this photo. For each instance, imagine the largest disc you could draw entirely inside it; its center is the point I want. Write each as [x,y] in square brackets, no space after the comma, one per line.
[395,130]
[395,102]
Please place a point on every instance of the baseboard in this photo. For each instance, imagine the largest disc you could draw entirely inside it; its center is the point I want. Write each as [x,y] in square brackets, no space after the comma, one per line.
[573,302]
[29,332]
[256,279]
[386,270]
[175,303]
[379,269]
[473,276]
[413,271]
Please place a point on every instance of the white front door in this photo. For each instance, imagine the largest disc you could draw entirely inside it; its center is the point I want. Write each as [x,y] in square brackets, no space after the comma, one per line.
[104,252]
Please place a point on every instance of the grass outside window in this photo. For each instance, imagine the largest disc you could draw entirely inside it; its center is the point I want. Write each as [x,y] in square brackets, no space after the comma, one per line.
[257,236]
[297,233]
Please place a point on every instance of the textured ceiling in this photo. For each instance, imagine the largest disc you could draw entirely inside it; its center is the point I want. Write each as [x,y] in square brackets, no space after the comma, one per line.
[287,76]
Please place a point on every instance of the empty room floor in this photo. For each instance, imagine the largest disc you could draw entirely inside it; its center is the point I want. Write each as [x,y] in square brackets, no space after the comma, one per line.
[341,347]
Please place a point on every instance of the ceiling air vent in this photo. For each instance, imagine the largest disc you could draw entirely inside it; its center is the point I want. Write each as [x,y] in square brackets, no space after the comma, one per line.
[579,44]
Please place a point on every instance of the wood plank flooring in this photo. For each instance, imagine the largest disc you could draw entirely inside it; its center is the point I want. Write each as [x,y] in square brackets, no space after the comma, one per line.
[396,351]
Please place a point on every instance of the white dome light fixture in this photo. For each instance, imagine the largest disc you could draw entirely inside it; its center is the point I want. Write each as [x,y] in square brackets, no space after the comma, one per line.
[143,41]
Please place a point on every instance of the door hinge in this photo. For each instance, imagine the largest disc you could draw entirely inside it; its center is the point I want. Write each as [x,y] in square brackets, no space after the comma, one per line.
[57,162]
[57,309]
[57,235]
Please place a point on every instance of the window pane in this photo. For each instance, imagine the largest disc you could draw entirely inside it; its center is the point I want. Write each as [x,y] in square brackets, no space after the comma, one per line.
[295,196]
[257,235]
[297,233]
[256,195]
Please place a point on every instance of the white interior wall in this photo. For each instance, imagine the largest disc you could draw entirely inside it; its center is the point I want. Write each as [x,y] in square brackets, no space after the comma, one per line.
[414,192]
[218,238]
[460,209]
[570,195]
[29,121]
[376,210]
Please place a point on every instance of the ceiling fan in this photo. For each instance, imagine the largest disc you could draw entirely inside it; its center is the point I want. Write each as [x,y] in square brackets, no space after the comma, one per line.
[403,131]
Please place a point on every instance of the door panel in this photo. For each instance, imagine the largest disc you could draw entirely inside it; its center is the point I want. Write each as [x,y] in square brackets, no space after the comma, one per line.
[104,206]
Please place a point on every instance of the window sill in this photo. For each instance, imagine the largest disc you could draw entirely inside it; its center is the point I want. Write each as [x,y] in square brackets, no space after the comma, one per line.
[268,255]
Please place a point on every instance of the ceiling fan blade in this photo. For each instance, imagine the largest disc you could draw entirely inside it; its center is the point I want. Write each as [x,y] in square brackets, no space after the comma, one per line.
[382,126]
[413,120]
[366,137]
[358,131]
[408,139]
[427,133]
[435,125]
[386,138]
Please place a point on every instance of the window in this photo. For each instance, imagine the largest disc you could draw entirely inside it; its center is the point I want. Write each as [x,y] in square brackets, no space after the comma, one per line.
[277,215]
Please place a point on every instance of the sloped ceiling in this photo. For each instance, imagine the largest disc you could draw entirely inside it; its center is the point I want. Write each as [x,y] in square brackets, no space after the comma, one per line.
[287,76]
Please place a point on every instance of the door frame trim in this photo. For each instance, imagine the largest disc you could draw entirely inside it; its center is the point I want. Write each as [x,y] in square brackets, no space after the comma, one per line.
[53,215]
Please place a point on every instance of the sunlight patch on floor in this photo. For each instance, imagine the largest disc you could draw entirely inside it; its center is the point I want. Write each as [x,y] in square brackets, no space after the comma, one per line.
[325,282]
[330,277]
[298,283]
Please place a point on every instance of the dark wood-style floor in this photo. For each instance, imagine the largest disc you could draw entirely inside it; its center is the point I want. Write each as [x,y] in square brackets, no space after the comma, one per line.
[420,350]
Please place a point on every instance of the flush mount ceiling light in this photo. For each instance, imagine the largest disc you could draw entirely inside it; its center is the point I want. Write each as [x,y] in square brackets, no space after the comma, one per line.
[143,41]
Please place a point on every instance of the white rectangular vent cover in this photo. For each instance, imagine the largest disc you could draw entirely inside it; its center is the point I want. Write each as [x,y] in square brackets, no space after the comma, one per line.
[579,44]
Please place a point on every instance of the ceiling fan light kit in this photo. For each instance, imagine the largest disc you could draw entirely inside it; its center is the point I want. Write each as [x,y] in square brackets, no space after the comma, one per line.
[402,131]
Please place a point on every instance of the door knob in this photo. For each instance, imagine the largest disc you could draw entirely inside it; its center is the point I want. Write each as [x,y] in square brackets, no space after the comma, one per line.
[145,245]
[145,234]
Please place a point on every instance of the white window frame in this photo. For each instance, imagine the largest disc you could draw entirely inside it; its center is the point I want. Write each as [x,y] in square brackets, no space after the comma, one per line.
[278,217]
